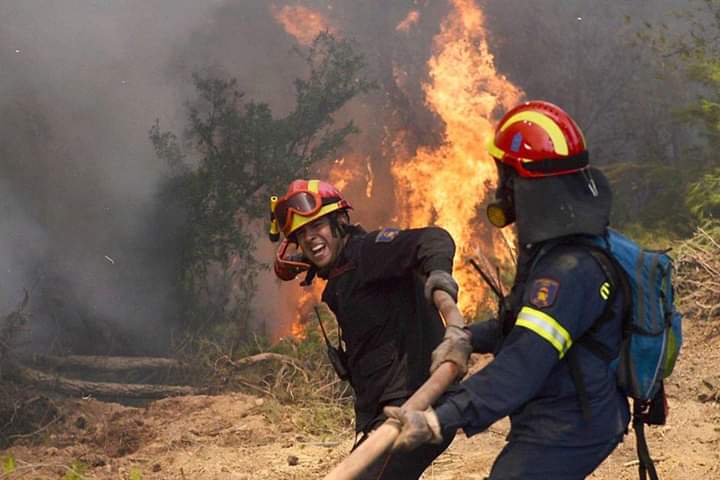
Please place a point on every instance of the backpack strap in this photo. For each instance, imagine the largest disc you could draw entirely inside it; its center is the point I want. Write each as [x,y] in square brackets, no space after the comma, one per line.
[645,462]
[615,276]
[618,282]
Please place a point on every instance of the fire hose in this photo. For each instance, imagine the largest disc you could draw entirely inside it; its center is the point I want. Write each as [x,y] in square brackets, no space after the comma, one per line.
[383,437]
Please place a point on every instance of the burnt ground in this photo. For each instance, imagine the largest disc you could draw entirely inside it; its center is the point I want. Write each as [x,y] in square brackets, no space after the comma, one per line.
[230,437]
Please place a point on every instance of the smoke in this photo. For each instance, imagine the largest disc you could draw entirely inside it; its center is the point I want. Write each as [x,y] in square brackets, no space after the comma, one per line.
[81,83]
[587,57]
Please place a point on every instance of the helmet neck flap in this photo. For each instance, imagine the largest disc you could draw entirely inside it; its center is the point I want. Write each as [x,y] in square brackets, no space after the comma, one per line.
[556,206]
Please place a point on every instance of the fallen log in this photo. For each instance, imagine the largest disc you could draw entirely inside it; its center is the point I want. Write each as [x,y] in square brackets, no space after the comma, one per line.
[98,389]
[110,364]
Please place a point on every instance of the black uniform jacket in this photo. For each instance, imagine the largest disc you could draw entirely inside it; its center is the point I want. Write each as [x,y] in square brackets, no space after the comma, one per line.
[375,289]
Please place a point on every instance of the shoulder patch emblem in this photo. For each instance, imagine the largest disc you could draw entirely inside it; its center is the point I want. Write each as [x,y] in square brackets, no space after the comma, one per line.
[544,292]
[387,235]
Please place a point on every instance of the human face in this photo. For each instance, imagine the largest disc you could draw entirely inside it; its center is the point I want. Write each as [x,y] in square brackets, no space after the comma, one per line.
[318,243]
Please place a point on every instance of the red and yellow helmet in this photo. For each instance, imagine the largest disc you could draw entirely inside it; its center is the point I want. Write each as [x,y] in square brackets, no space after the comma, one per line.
[539,139]
[304,202]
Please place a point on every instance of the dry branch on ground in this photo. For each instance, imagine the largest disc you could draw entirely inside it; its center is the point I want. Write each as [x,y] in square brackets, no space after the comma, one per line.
[697,266]
[99,389]
[102,363]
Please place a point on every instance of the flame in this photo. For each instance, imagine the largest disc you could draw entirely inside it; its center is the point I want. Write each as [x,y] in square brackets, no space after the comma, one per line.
[308,299]
[301,22]
[410,20]
[297,330]
[340,175]
[445,186]
[345,171]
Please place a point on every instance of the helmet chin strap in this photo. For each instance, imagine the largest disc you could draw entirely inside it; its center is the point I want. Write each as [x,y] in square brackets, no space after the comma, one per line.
[309,276]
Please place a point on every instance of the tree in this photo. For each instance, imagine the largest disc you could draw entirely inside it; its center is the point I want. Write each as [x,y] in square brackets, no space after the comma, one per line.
[694,50]
[236,153]
[703,199]
[586,57]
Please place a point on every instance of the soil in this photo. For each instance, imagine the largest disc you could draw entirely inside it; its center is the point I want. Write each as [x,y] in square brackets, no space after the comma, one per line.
[228,437]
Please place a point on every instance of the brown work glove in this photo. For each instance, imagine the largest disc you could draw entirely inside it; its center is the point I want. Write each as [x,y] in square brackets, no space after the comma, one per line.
[440,280]
[455,348]
[417,427]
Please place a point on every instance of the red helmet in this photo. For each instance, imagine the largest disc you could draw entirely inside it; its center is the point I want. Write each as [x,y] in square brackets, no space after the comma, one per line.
[539,139]
[304,202]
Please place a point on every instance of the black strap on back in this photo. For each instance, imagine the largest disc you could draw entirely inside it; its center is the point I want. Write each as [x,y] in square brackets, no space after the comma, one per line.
[645,463]
[336,355]
[322,329]
[616,276]
[617,280]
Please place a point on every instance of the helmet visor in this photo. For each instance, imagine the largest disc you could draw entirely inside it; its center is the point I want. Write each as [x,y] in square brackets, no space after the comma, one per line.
[302,203]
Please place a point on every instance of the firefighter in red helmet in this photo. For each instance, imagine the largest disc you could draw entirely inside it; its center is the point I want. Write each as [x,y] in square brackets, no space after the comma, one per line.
[305,202]
[561,325]
[379,286]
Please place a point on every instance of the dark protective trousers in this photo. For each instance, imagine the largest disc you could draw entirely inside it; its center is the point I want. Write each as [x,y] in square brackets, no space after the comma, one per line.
[405,465]
[528,461]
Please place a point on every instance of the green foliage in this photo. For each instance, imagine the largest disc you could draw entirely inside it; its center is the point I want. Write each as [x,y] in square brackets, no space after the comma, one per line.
[691,48]
[648,195]
[76,471]
[135,474]
[234,155]
[703,199]
[9,464]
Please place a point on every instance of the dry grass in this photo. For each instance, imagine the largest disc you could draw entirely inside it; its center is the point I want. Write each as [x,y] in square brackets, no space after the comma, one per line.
[697,266]
[294,377]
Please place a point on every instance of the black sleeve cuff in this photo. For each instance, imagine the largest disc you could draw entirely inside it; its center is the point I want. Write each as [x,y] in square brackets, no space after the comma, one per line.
[485,336]
[438,263]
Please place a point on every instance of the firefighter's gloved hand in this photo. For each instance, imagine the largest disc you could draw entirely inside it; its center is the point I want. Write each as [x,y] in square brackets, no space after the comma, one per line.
[440,280]
[417,427]
[456,347]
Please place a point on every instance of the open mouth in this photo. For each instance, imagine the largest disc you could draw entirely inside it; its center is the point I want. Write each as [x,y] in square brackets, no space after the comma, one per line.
[319,250]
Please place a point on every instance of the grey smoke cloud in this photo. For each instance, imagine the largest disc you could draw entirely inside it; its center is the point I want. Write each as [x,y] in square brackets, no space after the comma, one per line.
[80,84]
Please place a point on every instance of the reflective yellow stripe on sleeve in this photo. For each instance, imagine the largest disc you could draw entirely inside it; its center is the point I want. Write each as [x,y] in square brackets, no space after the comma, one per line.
[547,327]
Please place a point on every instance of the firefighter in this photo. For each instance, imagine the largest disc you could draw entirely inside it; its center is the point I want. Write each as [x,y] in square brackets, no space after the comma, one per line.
[379,286]
[554,338]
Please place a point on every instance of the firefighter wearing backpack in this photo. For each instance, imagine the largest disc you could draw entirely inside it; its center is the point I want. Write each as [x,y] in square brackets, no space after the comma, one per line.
[567,413]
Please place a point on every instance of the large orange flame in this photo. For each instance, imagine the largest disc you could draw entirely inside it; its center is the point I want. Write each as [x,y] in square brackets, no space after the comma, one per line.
[446,185]
[443,186]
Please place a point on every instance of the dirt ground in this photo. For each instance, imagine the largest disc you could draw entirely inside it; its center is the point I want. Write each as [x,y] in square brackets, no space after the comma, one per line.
[227,437]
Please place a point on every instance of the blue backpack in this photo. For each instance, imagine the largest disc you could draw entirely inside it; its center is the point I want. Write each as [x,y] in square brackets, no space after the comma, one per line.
[652,334]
